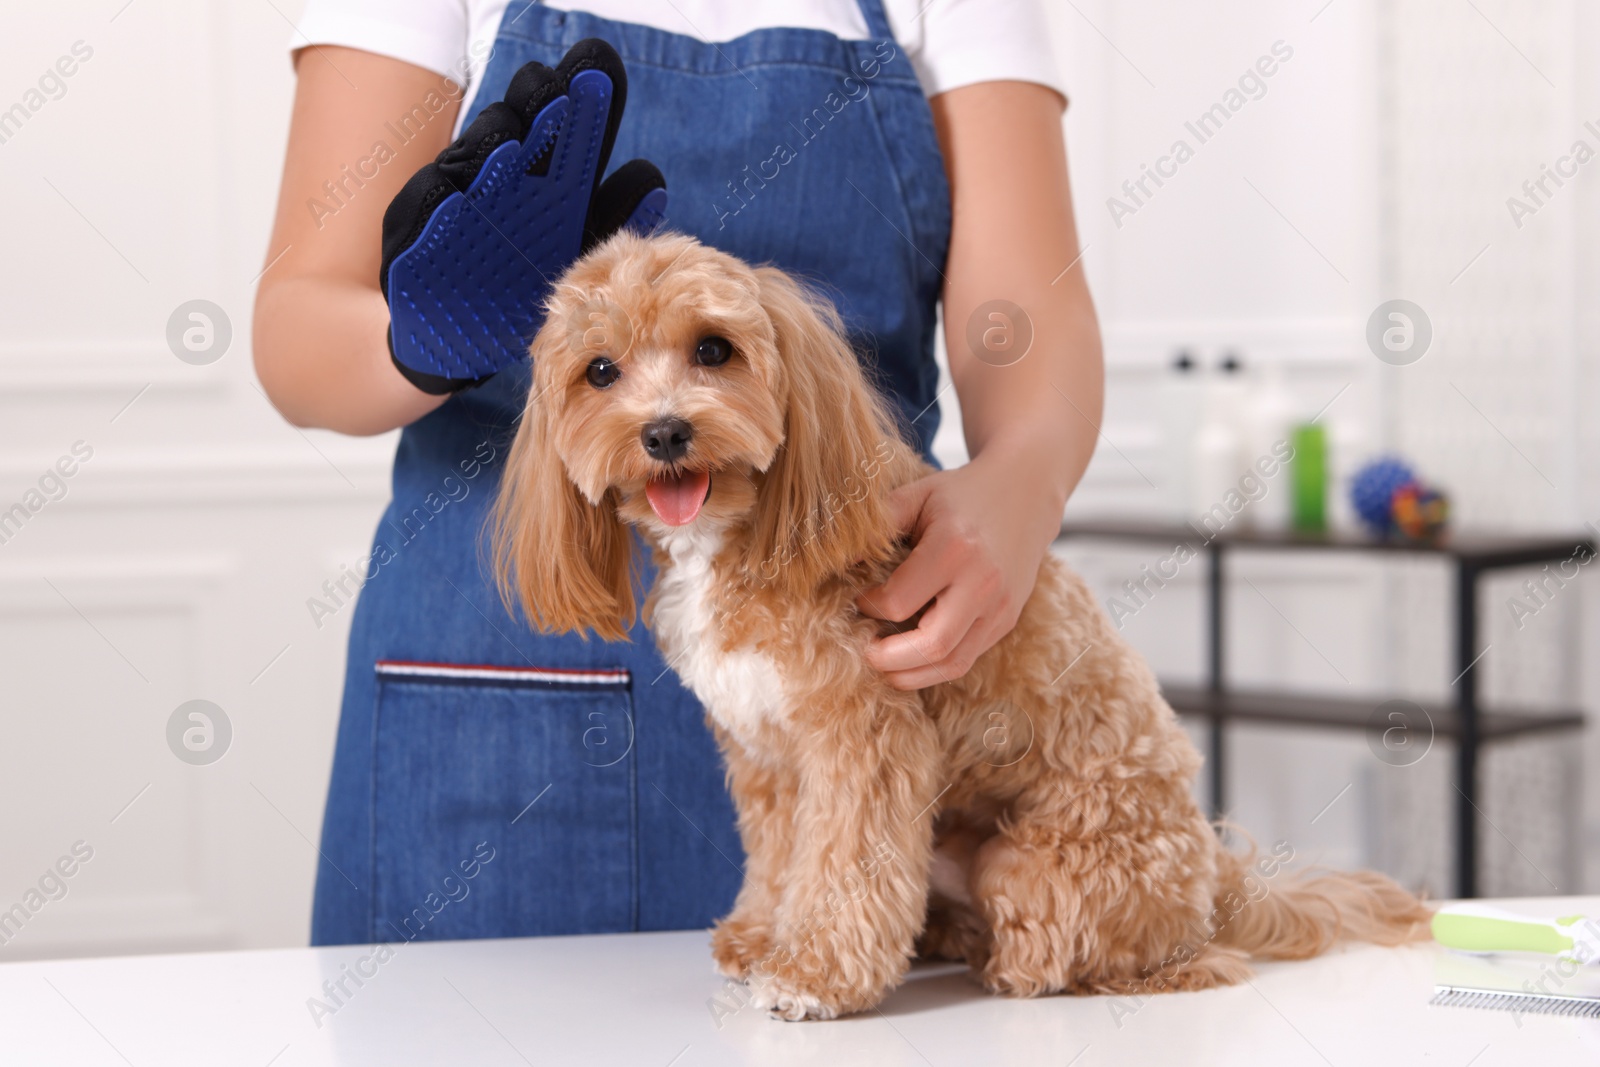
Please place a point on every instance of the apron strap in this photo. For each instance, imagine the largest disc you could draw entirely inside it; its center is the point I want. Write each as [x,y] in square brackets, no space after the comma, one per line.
[877,20]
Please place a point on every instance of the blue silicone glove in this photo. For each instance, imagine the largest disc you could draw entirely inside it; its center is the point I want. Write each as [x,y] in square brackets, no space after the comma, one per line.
[474,239]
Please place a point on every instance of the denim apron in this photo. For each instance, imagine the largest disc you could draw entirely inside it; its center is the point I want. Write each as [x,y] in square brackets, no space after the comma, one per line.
[490,781]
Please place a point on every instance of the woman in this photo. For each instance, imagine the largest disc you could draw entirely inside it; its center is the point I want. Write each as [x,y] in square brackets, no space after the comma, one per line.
[490,781]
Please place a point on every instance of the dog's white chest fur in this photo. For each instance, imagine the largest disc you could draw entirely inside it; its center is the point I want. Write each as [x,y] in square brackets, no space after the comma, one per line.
[741,688]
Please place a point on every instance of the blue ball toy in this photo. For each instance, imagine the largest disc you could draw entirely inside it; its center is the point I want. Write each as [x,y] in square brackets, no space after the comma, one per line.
[1372,491]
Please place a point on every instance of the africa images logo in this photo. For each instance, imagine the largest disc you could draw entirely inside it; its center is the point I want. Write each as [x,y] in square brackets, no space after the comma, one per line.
[1252,85]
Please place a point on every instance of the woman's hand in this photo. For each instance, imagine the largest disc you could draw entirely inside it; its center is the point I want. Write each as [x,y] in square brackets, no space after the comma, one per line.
[981,532]
[1025,361]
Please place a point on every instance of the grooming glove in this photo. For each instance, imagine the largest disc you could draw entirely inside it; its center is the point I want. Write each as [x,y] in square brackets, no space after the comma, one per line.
[474,240]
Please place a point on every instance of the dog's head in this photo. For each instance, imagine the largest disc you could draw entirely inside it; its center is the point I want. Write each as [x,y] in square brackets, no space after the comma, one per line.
[680,390]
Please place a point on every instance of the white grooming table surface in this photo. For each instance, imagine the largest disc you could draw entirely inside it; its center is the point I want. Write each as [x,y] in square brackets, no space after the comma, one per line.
[642,1000]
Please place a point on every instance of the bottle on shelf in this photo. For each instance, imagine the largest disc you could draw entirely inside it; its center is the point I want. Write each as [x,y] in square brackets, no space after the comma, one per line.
[1270,416]
[1216,455]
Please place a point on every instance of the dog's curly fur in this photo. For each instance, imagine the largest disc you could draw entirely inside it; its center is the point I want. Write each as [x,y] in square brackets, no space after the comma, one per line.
[1033,818]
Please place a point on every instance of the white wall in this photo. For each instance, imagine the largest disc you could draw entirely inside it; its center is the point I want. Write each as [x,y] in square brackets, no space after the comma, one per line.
[178,563]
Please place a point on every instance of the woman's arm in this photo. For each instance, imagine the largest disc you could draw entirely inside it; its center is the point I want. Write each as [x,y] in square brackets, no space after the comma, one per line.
[362,125]
[983,529]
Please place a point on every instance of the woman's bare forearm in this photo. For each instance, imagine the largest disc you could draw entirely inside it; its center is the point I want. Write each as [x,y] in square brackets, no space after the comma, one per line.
[1031,415]
[321,323]
[323,357]
[1014,241]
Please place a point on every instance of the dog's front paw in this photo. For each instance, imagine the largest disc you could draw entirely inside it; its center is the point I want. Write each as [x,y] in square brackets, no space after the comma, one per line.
[793,998]
[807,984]
[738,945]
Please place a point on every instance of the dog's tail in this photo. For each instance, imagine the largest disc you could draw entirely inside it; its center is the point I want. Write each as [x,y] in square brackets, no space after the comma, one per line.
[1273,913]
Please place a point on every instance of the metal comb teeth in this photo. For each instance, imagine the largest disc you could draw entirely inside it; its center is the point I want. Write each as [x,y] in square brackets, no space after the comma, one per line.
[1529,1003]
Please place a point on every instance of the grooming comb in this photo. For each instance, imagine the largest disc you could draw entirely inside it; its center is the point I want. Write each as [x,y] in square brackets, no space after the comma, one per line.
[1509,962]
[1582,1007]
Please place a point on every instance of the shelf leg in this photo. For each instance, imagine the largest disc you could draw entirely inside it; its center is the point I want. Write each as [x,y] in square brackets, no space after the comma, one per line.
[1466,799]
[1214,677]
[1214,759]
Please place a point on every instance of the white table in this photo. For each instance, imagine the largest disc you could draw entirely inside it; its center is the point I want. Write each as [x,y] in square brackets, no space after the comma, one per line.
[642,1000]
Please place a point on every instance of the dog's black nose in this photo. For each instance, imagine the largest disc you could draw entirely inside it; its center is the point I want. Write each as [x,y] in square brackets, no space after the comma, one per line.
[667,439]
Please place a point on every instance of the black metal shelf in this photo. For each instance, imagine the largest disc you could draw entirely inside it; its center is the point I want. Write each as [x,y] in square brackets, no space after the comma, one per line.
[1301,709]
[1484,550]
[1469,554]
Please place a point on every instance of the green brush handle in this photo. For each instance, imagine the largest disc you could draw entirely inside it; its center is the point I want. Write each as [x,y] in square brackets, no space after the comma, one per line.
[1484,928]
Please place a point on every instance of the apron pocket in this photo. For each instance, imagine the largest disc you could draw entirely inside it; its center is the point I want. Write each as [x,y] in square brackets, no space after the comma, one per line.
[504,802]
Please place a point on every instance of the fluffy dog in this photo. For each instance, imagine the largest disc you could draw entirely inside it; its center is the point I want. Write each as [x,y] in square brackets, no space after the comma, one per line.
[1033,818]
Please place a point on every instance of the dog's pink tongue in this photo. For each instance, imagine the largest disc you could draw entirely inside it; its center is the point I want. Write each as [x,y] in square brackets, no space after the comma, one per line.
[676,499]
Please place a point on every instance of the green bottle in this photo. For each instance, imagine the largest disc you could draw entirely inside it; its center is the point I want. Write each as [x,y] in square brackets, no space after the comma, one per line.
[1309,472]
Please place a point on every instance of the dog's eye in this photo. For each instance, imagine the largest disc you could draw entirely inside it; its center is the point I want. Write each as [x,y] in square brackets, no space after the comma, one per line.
[713,351]
[602,372]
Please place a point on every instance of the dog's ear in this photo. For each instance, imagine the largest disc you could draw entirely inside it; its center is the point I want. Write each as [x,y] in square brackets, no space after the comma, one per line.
[822,502]
[568,562]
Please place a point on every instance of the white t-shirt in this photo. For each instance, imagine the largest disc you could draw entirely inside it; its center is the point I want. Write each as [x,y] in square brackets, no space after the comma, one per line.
[950,43]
